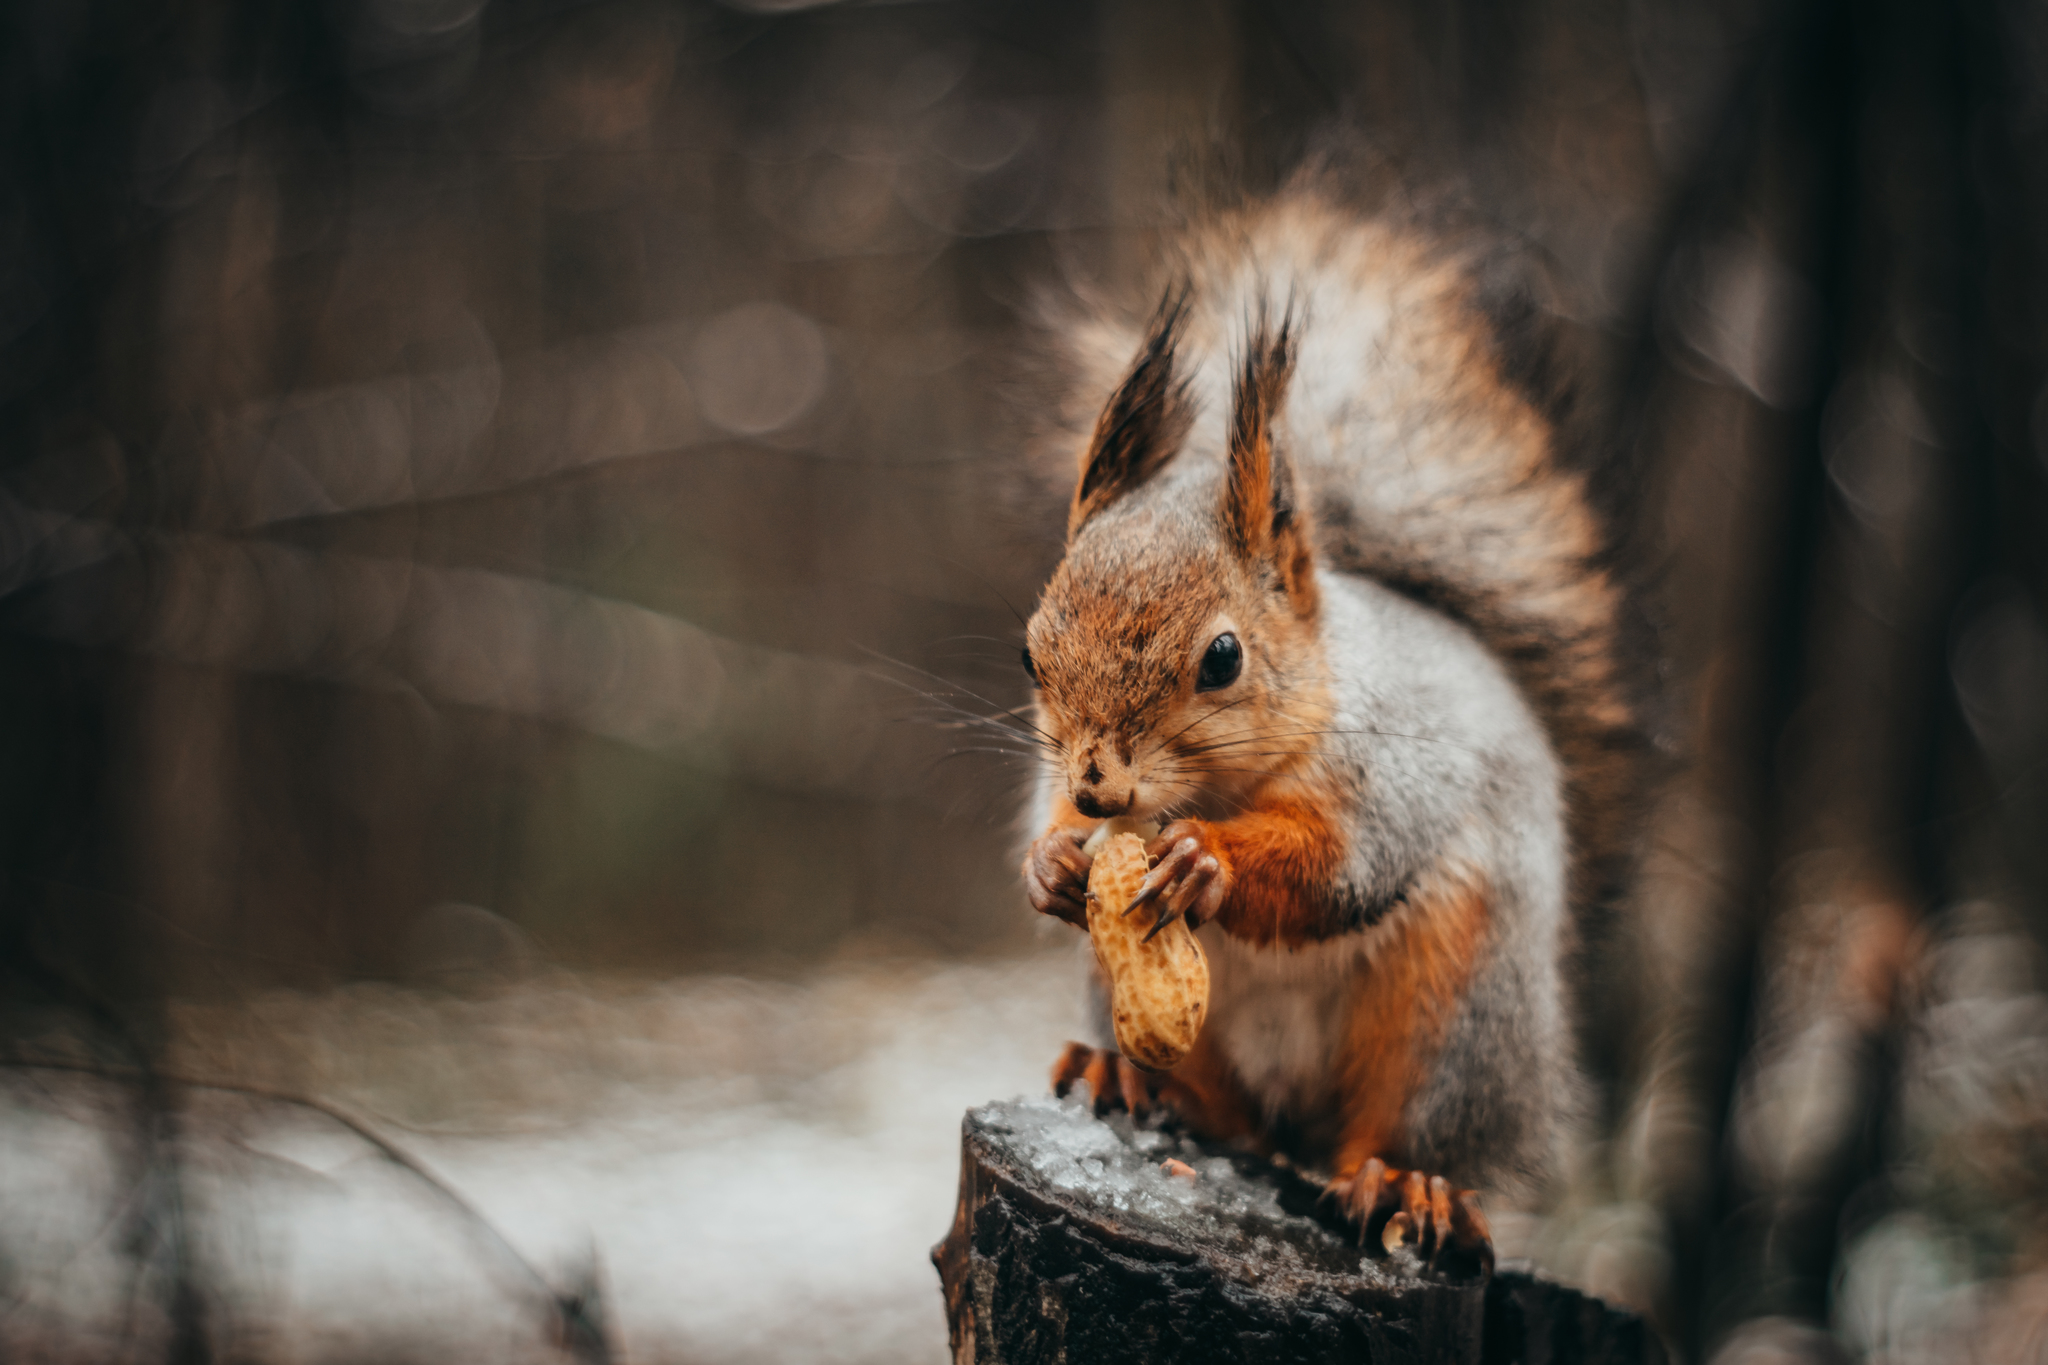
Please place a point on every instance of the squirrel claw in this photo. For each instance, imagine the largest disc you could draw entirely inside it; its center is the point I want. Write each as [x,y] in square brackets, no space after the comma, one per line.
[1167,915]
[1056,876]
[1422,1213]
[1149,890]
[1188,880]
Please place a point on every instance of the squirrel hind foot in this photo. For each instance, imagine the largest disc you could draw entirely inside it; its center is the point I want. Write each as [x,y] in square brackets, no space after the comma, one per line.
[1112,1079]
[1404,1210]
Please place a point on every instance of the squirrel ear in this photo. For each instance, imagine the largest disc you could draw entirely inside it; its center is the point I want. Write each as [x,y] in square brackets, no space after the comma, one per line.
[1262,520]
[1147,418]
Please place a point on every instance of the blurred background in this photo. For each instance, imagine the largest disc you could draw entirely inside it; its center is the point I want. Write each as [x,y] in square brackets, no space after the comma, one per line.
[500,498]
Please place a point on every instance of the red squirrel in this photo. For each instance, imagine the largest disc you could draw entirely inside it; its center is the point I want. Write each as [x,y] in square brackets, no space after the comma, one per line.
[1334,610]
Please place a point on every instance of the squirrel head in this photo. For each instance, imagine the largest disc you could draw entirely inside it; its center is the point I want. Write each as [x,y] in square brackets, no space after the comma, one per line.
[1175,649]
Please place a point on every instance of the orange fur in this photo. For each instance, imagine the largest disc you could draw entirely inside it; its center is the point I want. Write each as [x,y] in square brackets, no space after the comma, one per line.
[1418,974]
[1280,859]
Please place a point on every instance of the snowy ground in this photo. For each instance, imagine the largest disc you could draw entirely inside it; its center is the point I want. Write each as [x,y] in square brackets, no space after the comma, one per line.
[756,1171]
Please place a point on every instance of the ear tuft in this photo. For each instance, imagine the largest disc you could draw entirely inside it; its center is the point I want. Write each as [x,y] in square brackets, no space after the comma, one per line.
[1262,519]
[1147,417]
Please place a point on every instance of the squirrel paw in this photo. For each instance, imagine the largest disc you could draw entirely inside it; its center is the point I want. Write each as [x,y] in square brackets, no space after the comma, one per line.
[1393,1208]
[1056,875]
[1114,1081]
[1189,879]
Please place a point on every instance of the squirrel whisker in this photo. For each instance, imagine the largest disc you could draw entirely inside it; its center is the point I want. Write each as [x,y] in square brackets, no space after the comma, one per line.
[1199,720]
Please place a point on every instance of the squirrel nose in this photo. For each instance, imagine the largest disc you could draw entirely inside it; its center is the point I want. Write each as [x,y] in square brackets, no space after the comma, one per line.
[1095,805]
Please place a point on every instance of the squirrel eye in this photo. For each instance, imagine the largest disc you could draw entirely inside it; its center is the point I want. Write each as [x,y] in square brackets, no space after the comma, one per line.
[1221,663]
[1030,669]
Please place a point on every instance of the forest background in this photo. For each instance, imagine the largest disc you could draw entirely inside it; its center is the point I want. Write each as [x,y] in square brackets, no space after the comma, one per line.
[499,497]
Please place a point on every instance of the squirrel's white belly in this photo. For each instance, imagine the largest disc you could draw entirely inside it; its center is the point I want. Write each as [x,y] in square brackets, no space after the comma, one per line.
[1280,1015]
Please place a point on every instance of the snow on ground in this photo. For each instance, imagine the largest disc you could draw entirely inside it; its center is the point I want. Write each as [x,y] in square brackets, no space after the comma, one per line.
[755,1169]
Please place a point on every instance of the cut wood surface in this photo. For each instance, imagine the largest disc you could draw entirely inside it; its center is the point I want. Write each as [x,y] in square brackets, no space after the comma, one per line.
[1074,1241]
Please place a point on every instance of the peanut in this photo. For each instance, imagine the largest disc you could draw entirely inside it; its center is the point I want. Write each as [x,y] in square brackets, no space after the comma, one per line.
[1159,991]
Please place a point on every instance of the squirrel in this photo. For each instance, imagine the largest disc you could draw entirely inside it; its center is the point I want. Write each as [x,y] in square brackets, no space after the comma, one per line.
[1339,609]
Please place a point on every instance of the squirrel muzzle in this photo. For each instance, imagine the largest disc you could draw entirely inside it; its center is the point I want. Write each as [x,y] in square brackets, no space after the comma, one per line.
[1099,783]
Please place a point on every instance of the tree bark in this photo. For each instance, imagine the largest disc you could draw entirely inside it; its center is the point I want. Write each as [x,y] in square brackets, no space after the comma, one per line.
[1072,1242]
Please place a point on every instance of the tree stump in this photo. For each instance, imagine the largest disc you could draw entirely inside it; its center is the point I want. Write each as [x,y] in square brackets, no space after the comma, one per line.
[1073,1243]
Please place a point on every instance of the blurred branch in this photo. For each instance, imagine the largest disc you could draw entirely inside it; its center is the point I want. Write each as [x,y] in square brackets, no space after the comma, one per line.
[578,1317]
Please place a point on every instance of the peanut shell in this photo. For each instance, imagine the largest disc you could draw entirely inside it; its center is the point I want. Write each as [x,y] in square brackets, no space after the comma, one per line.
[1159,991]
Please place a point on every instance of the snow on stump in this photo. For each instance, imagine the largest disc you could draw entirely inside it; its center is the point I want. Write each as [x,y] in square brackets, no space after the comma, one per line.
[1074,1242]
